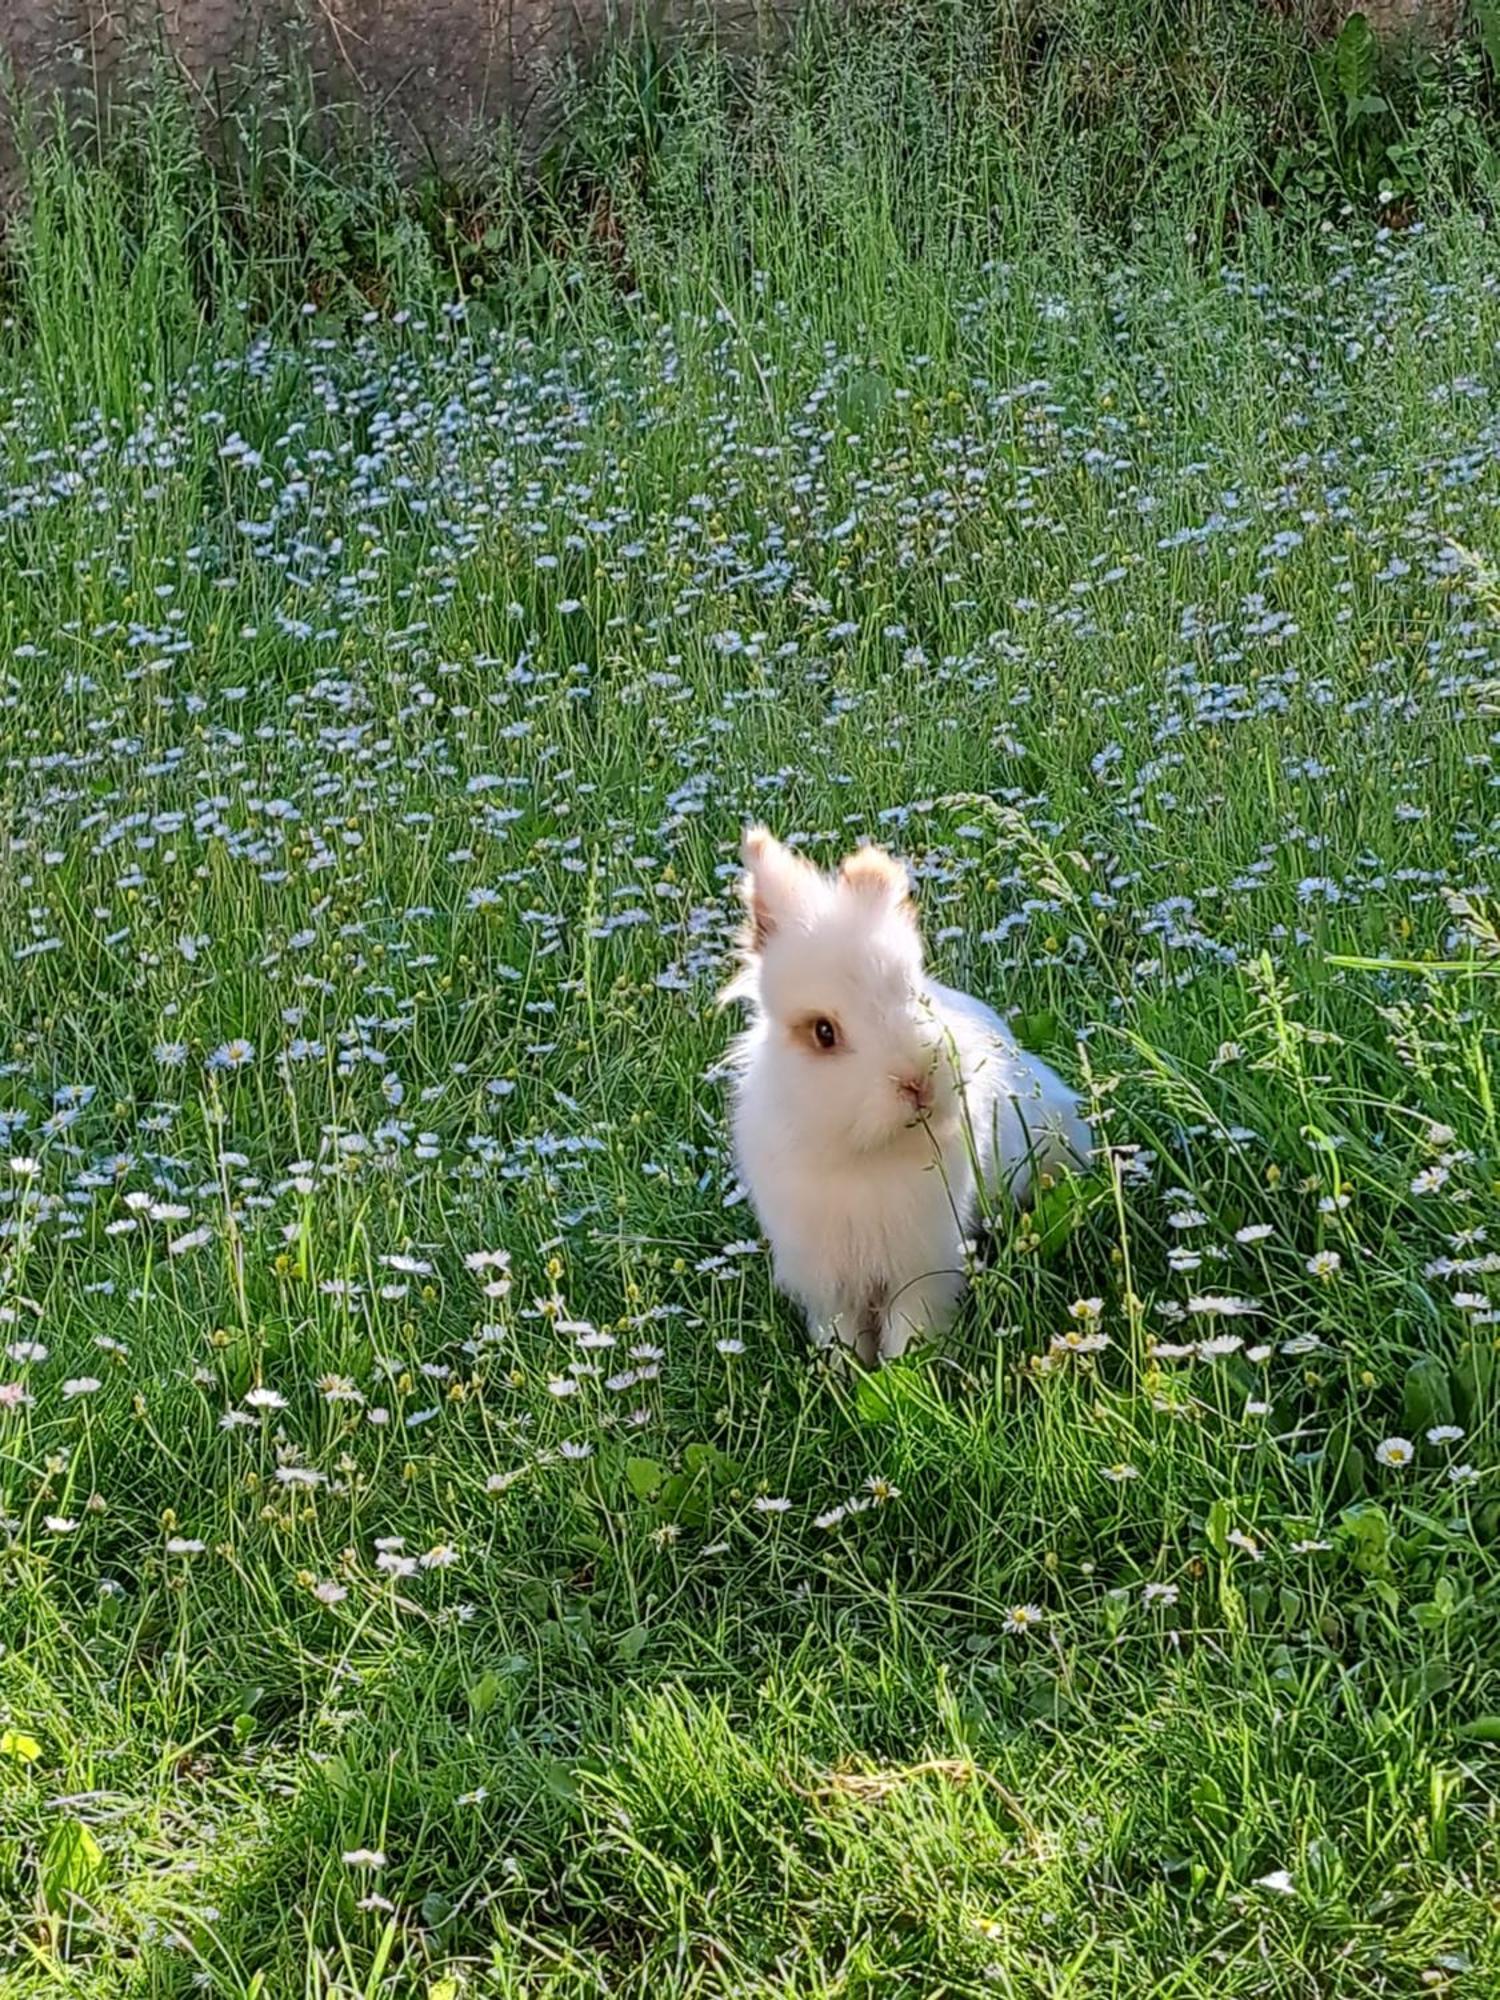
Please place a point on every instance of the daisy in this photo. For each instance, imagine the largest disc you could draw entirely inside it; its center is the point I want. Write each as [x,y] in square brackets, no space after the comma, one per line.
[232,1055]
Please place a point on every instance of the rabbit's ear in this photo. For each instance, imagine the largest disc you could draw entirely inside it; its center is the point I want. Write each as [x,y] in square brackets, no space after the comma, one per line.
[778,886]
[871,872]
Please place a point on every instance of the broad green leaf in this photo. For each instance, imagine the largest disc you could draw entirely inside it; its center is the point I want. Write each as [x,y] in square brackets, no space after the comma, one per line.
[1426,1395]
[1365,1532]
[1356,57]
[632,1643]
[437,1909]
[1487,20]
[875,1397]
[559,1780]
[16,1743]
[707,1459]
[485,1692]
[70,1865]
[1055,1215]
[684,1500]
[644,1476]
[1038,1032]
[1209,1804]
[879,1393]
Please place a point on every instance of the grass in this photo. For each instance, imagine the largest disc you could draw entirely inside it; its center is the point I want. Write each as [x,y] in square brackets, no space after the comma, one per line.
[386,686]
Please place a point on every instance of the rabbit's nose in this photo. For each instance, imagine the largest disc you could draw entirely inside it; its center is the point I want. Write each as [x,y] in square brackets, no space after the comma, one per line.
[917,1090]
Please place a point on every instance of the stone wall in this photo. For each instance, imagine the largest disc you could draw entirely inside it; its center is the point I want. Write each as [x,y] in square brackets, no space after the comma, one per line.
[433,72]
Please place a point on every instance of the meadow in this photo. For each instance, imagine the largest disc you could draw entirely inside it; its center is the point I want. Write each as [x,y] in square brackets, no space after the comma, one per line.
[434,1562]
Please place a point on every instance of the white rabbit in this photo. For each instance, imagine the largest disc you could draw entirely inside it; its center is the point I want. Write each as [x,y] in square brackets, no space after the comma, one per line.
[870,1104]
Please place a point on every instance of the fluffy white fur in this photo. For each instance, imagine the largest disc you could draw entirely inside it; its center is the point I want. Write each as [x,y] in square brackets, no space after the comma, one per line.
[865,1162]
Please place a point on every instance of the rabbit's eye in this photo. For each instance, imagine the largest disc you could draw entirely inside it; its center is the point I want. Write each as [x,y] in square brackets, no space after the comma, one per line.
[825,1034]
